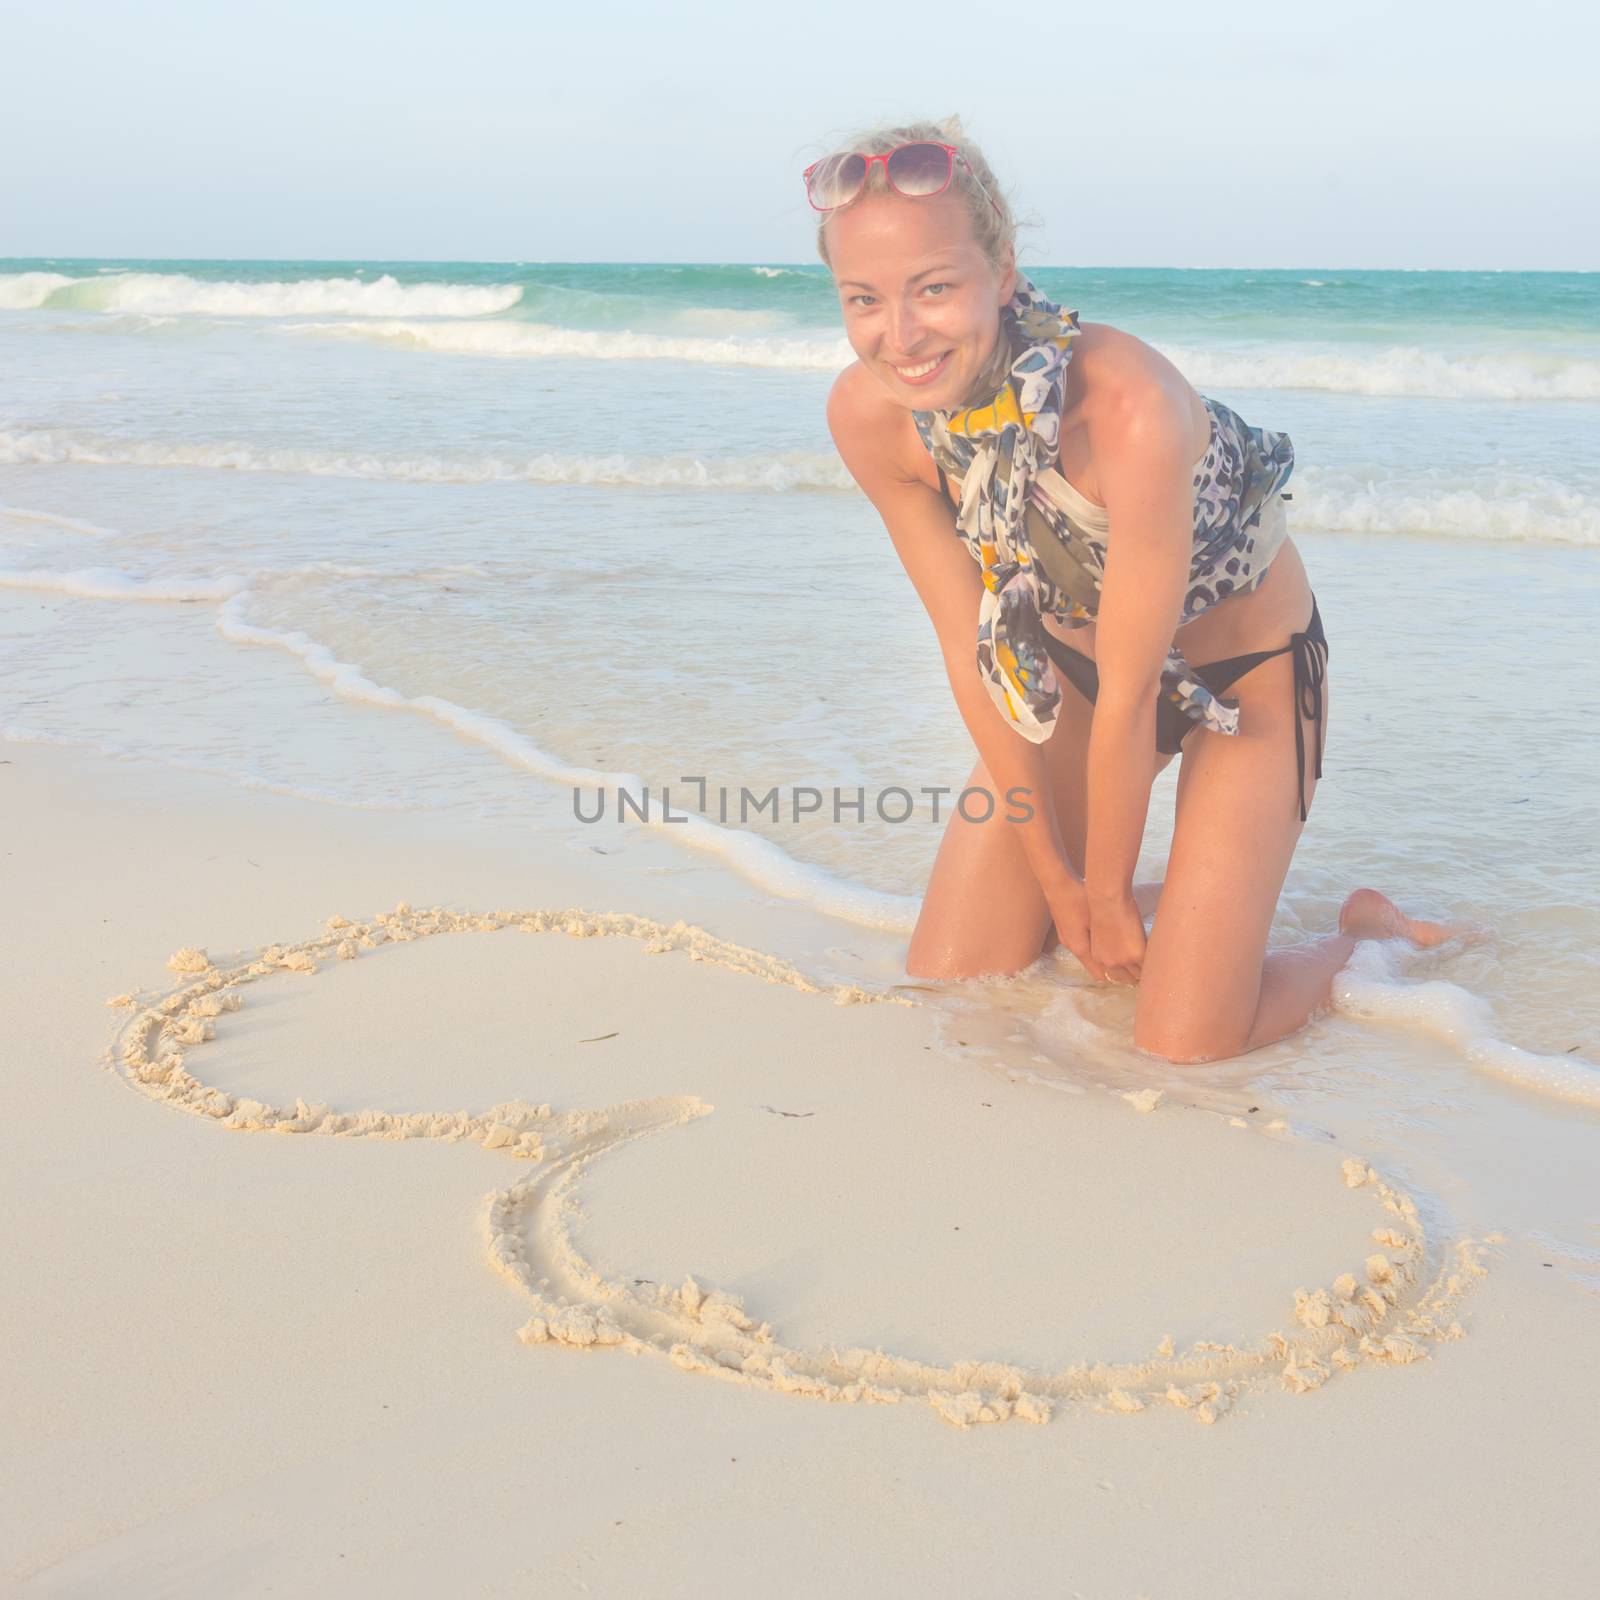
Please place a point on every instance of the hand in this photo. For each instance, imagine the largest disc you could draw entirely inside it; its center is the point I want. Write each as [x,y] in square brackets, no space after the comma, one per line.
[1069,908]
[1117,938]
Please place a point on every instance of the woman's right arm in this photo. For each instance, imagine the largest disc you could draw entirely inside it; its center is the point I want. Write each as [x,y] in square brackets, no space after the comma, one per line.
[950,586]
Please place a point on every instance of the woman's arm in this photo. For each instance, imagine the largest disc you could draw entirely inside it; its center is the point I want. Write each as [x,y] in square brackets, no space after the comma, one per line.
[950,586]
[1145,472]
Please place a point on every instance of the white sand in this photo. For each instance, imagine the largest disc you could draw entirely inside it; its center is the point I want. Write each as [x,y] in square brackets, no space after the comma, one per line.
[583,1240]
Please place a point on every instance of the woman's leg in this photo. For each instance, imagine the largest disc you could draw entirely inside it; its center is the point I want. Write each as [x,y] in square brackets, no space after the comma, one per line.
[984,911]
[1200,997]
[1297,984]
[1208,988]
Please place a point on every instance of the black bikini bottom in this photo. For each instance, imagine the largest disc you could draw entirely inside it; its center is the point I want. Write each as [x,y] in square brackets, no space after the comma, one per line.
[1310,666]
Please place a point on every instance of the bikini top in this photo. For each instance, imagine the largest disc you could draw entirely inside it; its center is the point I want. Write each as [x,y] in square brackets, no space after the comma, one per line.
[1239,525]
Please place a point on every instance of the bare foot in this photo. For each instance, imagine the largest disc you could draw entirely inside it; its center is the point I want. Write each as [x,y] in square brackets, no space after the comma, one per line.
[1366,914]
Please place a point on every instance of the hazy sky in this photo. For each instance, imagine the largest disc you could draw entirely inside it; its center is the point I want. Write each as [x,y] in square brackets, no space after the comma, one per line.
[1350,133]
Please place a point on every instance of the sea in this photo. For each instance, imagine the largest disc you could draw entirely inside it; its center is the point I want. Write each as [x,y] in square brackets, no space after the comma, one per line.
[567,548]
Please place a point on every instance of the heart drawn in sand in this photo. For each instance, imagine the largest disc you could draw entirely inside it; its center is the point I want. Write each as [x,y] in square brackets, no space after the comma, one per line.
[1385,1314]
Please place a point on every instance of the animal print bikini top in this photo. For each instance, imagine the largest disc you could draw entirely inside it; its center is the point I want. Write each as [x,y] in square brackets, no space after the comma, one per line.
[1042,545]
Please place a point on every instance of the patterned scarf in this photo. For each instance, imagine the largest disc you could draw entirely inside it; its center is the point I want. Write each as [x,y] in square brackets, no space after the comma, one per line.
[997,448]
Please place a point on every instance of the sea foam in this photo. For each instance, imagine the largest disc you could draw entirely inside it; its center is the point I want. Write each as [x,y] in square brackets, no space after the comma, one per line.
[776,471]
[106,583]
[1371,985]
[177,293]
[544,340]
[1494,504]
[757,859]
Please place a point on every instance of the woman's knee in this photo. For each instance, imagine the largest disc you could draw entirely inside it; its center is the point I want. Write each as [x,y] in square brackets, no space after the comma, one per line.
[1188,1036]
[986,934]
[984,912]
[947,959]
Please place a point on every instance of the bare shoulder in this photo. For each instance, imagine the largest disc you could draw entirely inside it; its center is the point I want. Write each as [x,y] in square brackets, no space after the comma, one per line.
[1128,392]
[876,439]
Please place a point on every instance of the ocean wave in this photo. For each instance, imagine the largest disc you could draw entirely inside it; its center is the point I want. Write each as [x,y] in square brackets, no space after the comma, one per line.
[776,472]
[177,293]
[1491,504]
[1396,370]
[107,583]
[111,583]
[1401,370]
[1372,984]
[25,291]
[757,859]
[403,316]
[544,340]
[66,524]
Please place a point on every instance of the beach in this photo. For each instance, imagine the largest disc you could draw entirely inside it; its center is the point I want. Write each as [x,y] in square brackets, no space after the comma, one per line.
[248,1363]
[420,1188]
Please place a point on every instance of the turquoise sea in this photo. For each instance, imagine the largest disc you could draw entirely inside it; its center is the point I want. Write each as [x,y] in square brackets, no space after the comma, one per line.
[471,538]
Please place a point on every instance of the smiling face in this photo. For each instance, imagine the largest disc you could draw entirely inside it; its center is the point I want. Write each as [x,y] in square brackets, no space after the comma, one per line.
[921,301]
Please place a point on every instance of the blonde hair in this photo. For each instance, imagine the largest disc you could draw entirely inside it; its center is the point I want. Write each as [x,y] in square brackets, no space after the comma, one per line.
[993,226]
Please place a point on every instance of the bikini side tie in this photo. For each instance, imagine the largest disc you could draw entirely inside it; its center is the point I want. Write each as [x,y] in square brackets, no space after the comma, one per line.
[1310,657]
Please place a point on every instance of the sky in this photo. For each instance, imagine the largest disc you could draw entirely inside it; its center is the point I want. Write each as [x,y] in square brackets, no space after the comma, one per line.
[1345,134]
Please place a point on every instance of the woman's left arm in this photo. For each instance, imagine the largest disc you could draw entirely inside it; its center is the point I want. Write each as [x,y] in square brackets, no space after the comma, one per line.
[1144,467]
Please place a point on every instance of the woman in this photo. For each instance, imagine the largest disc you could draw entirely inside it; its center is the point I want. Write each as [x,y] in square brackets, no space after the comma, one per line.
[1096,496]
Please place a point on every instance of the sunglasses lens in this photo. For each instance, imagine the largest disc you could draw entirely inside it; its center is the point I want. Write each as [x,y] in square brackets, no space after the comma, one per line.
[919,169]
[836,180]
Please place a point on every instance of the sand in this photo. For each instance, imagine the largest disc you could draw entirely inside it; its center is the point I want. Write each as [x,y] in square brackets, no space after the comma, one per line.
[610,1254]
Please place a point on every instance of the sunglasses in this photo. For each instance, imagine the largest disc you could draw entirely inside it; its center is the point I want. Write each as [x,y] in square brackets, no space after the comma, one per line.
[916,170]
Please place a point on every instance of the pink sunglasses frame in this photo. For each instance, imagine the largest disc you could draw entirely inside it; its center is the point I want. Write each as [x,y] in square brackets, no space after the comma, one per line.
[952,154]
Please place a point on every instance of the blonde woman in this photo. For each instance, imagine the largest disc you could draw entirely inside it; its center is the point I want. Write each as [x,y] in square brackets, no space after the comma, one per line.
[1104,555]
